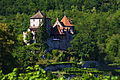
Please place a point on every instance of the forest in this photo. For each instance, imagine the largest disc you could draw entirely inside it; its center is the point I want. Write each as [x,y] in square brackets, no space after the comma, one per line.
[97,38]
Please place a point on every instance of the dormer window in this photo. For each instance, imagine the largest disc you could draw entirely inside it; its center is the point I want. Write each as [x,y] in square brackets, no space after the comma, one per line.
[65,30]
[61,30]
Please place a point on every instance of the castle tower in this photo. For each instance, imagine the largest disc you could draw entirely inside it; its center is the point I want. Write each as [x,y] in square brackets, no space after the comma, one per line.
[36,20]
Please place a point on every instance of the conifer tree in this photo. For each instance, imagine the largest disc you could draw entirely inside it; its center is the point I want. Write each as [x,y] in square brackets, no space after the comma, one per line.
[41,37]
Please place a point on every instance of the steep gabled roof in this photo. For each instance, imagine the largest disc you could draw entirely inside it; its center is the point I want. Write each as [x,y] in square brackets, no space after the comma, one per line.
[57,30]
[57,23]
[38,15]
[66,22]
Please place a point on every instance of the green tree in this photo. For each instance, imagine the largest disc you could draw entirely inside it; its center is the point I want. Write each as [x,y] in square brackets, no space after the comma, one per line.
[29,37]
[41,37]
[7,40]
[113,48]
[26,55]
[84,47]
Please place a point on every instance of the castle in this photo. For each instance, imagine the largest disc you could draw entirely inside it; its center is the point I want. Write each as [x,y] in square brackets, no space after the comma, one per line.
[60,33]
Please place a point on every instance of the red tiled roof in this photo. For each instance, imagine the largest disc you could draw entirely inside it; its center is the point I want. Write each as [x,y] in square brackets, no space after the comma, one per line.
[39,14]
[57,30]
[65,21]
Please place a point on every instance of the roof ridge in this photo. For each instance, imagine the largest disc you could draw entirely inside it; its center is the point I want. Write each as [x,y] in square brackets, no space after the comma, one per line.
[57,22]
[39,14]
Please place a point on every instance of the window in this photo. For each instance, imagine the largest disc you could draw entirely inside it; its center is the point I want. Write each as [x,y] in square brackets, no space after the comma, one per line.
[40,20]
[61,30]
[65,30]
[33,19]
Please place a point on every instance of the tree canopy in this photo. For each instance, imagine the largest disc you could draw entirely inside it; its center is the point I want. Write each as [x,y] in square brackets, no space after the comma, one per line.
[96,38]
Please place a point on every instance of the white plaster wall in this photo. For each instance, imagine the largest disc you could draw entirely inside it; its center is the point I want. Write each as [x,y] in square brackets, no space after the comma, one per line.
[35,22]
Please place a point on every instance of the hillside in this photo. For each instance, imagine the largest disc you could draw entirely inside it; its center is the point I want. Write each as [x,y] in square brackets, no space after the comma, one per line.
[96,38]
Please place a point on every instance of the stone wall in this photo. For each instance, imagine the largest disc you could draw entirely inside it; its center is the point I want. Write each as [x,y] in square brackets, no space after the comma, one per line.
[61,43]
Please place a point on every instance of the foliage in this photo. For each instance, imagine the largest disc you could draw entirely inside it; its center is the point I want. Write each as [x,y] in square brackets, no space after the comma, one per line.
[90,76]
[97,35]
[41,37]
[29,37]
[113,48]
[31,73]
[26,55]
[93,29]
[36,72]
[75,70]
[7,41]
[14,6]
[84,47]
